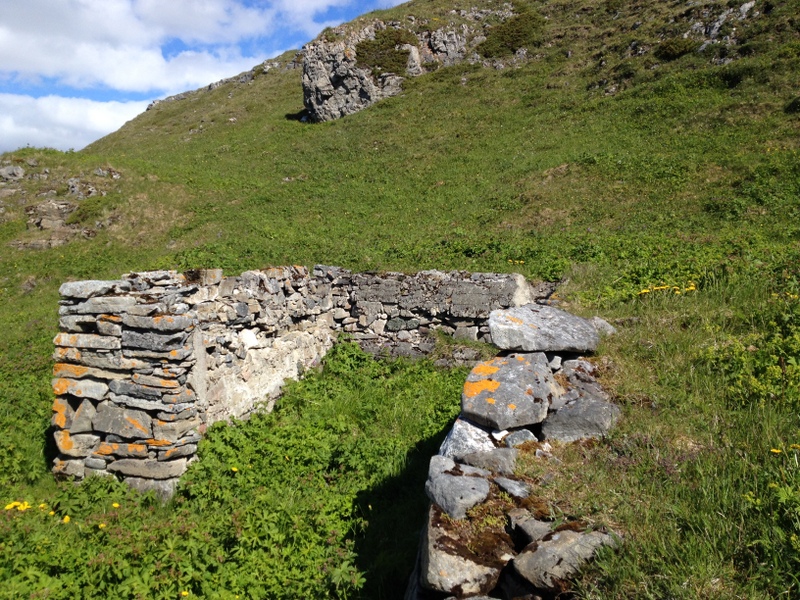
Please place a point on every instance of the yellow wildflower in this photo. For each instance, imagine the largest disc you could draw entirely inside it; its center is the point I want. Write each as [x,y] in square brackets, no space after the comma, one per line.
[184,593]
[42,506]
[234,469]
[776,450]
[65,519]
[13,505]
[115,505]
[795,446]
[101,526]
[51,513]
[645,291]
[23,507]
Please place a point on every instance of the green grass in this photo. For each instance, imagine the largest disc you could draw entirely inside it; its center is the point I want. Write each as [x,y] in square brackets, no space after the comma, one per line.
[687,175]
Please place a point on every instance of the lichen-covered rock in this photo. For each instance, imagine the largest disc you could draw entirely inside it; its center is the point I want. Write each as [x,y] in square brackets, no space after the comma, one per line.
[148,468]
[130,424]
[510,392]
[444,569]
[540,328]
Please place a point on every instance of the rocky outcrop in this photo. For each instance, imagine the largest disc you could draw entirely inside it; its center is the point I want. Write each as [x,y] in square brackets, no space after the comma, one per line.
[338,81]
[482,536]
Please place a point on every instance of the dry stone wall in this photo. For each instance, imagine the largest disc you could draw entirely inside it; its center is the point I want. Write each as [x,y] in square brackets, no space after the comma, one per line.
[146,362]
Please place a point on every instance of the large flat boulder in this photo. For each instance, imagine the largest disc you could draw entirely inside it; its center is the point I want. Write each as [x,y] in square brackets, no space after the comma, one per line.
[539,328]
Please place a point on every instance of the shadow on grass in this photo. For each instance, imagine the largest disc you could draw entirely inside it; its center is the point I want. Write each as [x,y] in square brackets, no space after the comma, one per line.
[396,511]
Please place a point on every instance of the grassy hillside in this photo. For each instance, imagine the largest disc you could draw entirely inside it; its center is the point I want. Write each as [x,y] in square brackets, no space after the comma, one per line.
[618,159]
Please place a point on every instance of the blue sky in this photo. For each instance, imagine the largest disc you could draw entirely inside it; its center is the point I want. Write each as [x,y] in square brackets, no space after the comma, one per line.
[72,71]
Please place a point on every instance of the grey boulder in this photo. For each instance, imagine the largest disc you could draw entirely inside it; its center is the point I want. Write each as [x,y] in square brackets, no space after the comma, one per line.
[539,328]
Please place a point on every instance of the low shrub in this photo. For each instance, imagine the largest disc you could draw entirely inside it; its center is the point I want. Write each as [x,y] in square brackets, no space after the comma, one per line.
[382,54]
[675,47]
[520,31]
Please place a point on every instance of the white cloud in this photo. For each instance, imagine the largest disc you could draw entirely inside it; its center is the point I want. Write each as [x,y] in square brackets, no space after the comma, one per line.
[152,47]
[62,123]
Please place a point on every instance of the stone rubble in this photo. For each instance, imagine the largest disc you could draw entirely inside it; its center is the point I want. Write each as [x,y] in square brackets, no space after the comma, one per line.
[516,400]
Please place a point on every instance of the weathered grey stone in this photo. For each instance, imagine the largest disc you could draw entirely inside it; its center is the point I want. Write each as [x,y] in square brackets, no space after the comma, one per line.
[394,325]
[12,173]
[153,342]
[76,445]
[99,305]
[109,449]
[177,355]
[129,424]
[80,388]
[444,570]
[68,468]
[456,494]
[539,328]
[497,460]
[518,489]
[603,327]
[151,404]
[98,360]
[510,392]
[153,381]
[134,390]
[581,419]
[77,323]
[465,437]
[164,489]
[148,468]
[175,430]
[188,412]
[159,323]
[519,437]
[87,340]
[442,464]
[83,290]
[466,333]
[531,528]
[95,463]
[82,422]
[177,452]
[559,557]
[109,328]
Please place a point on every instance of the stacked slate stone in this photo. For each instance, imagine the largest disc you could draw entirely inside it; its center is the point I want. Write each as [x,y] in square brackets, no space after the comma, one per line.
[394,314]
[124,405]
[538,390]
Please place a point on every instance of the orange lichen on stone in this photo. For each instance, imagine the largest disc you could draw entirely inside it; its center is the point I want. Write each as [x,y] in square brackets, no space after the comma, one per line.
[485,369]
[64,441]
[512,407]
[490,400]
[60,408]
[529,392]
[472,389]
[514,320]
[137,425]
[168,383]
[106,448]
[67,370]
[61,386]
[155,442]
[111,318]
[67,354]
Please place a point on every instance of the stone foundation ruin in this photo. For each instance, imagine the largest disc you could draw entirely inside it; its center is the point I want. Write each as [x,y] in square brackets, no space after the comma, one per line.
[145,363]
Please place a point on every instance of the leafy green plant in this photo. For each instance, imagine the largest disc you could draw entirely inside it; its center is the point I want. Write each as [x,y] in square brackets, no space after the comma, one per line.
[675,47]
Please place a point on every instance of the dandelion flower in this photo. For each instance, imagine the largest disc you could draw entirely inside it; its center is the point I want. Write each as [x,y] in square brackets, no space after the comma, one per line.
[42,506]
[23,507]
[184,593]
[66,519]
[101,526]
[776,450]
[795,446]
[51,513]
[115,505]
[234,469]
[13,505]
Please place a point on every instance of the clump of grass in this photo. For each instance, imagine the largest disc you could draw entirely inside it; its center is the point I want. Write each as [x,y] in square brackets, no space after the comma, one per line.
[524,29]
[383,54]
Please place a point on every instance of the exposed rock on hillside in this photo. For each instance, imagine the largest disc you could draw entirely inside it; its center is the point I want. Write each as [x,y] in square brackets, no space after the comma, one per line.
[346,70]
